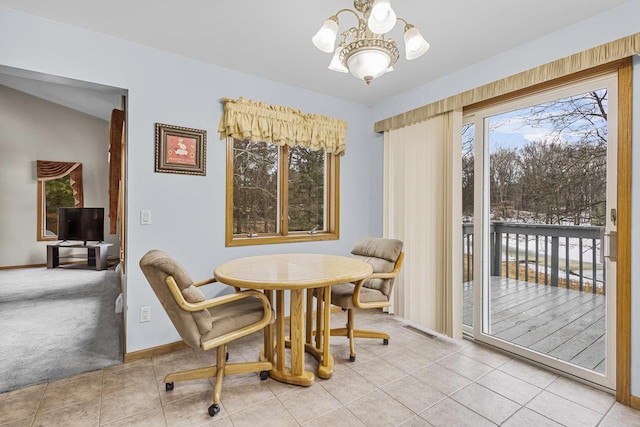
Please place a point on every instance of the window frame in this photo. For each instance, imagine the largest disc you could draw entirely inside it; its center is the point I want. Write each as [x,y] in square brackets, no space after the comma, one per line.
[331,208]
[42,213]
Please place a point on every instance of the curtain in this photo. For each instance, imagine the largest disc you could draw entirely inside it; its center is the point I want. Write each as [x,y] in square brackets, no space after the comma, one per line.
[422,200]
[603,56]
[259,122]
[48,170]
[116,146]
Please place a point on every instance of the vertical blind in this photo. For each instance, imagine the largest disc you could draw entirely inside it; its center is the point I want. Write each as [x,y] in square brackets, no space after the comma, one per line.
[420,209]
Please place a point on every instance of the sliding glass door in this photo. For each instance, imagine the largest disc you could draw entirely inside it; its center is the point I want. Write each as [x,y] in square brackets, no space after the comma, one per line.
[539,227]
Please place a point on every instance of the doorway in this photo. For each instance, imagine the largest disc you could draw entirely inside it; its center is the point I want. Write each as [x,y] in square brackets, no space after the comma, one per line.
[539,209]
[43,106]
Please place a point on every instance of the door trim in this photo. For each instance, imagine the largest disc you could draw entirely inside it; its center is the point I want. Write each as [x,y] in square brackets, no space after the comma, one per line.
[623,282]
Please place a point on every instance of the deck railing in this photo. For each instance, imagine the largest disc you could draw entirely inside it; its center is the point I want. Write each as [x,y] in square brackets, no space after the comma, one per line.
[552,254]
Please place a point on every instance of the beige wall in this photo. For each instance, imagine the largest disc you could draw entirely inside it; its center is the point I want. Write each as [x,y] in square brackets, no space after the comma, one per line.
[34,129]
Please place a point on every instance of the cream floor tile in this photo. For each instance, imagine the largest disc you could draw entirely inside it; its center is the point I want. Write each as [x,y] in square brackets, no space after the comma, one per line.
[171,363]
[375,345]
[413,390]
[442,379]
[527,418]
[123,404]
[138,375]
[407,360]
[308,403]
[448,413]
[529,373]
[564,411]
[432,349]
[270,413]
[340,351]
[379,371]
[153,418]
[20,423]
[380,409]
[278,388]
[413,393]
[586,396]
[66,392]
[491,405]
[416,422]
[20,404]
[246,391]
[465,366]
[347,385]
[83,414]
[611,422]
[192,411]
[340,417]
[511,387]
[183,389]
[623,414]
[485,355]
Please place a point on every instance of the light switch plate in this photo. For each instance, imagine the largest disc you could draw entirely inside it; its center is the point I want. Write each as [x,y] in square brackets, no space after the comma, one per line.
[145,216]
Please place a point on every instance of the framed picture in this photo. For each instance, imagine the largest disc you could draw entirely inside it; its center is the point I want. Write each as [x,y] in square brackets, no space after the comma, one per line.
[180,150]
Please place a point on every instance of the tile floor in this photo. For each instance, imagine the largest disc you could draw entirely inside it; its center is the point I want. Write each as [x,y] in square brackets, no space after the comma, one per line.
[414,381]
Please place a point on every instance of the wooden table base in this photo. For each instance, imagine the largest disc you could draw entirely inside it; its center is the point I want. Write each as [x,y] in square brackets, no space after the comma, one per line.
[300,339]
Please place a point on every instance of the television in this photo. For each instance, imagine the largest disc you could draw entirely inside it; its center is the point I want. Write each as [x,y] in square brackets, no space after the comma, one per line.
[86,224]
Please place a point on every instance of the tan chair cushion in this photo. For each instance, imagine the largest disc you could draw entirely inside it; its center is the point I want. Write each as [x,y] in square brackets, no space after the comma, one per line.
[375,247]
[382,254]
[342,295]
[232,316]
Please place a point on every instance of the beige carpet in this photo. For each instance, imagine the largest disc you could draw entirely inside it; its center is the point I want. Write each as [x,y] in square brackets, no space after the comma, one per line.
[57,323]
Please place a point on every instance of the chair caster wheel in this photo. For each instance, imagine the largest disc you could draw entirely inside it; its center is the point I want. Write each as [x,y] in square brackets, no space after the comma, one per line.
[168,386]
[352,358]
[385,341]
[264,375]
[214,409]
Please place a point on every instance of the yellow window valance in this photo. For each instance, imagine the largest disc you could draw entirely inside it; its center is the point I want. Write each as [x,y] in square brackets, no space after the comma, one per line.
[257,121]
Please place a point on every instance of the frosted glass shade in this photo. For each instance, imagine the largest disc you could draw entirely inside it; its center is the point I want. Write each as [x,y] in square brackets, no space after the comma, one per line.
[414,44]
[368,64]
[325,38]
[382,18]
[335,64]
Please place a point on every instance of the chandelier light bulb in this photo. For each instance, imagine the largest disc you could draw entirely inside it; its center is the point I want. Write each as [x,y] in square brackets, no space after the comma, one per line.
[415,45]
[382,18]
[325,38]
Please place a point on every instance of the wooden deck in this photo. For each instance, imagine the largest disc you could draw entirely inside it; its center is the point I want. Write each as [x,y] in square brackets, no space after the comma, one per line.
[562,323]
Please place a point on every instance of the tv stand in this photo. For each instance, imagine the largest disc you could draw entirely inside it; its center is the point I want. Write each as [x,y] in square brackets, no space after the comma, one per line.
[96,253]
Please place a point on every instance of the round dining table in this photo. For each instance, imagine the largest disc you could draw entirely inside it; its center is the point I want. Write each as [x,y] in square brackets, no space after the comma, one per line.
[296,273]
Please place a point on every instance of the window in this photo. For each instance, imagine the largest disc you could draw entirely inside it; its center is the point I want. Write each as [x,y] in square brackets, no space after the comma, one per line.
[278,194]
[54,194]
[59,185]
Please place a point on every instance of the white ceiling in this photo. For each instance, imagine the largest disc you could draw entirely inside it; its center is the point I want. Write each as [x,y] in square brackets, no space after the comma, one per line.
[272,39]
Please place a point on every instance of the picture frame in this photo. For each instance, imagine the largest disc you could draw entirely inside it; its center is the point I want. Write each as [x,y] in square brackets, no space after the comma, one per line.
[180,150]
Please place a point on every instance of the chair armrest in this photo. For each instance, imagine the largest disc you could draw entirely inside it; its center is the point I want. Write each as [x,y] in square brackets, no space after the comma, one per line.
[212,302]
[205,282]
[390,275]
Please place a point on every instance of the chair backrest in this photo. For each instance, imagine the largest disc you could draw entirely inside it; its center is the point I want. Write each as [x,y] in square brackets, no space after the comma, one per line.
[157,266]
[382,254]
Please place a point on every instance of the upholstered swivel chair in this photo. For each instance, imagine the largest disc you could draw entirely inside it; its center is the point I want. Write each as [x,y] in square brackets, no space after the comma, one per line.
[206,323]
[385,256]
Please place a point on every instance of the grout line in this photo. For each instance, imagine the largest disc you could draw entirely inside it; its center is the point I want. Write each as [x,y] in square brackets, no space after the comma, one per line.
[35,414]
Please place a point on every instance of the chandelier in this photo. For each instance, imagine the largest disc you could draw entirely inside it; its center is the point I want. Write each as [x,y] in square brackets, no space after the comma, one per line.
[364,51]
